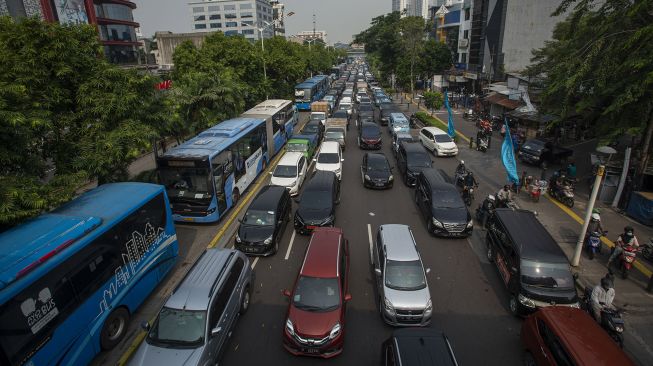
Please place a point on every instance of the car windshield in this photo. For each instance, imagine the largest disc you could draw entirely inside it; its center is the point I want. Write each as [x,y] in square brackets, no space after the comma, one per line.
[316,294]
[442,138]
[377,164]
[371,132]
[298,147]
[447,199]
[259,218]
[548,275]
[311,128]
[186,183]
[316,200]
[404,275]
[334,135]
[339,114]
[285,171]
[178,327]
[328,158]
[317,117]
[419,160]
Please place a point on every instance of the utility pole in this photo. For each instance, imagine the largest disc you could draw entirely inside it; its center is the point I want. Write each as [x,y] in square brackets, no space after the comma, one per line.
[590,207]
[313,26]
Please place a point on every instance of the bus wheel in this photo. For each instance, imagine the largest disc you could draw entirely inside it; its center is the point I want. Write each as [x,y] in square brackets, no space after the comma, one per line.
[114,328]
[235,197]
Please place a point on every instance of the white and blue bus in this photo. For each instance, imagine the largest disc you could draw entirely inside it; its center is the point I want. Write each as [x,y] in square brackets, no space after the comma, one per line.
[206,175]
[311,90]
[71,278]
[283,112]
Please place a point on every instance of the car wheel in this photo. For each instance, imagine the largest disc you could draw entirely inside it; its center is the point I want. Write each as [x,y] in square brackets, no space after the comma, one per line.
[529,360]
[114,328]
[490,253]
[513,304]
[244,302]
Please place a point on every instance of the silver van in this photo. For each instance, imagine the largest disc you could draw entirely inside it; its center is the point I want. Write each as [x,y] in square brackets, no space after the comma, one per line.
[196,321]
[403,292]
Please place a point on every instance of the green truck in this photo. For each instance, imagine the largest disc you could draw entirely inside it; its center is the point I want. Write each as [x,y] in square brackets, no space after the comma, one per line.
[305,144]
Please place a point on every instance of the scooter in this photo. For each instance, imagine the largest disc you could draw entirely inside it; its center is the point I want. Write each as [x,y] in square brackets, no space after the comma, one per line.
[536,189]
[593,243]
[564,194]
[611,320]
[482,144]
[627,259]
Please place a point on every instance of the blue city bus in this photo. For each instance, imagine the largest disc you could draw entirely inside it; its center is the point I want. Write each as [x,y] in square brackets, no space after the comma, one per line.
[311,90]
[206,175]
[283,113]
[71,278]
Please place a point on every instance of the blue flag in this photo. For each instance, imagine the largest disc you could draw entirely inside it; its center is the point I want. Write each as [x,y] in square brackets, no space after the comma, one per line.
[450,130]
[508,156]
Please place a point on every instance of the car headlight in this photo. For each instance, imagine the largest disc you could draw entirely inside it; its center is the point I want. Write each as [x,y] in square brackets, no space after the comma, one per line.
[470,224]
[526,301]
[289,327]
[367,177]
[335,331]
[328,220]
[238,238]
[388,306]
[437,223]
[429,308]
[268,240]
[391,178]
[619,328]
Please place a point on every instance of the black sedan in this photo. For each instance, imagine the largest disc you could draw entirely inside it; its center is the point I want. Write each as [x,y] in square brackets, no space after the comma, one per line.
[262,226]
[376,172]
[369,136]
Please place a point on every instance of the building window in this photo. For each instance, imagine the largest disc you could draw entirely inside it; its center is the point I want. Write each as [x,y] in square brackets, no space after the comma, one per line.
[466,34]
[231,33]
[231,24]
[214,17]
[245,6]
[463,58]
[214,8]
[230,16]
[117,32]
[198,9]
[248,22]
[114,11]
[247,31]
[467,14]
[229,7]
[200,26]
[121,54]
[199,18]
[216,25]
[247,15]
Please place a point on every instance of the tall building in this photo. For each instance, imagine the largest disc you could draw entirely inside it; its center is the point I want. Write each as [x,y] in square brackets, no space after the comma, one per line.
[233,17]
[113,18]
[452,25]
[308,35]
[278,18]
[419,8]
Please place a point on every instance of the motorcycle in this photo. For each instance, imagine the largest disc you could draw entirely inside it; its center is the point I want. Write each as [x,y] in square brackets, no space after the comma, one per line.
[459,177]
[468,195]
[611,320]
[536,189]
[468,114]
[647,250]
[626,260]
[593,243]
[482,215]
[564,194]
[482,144]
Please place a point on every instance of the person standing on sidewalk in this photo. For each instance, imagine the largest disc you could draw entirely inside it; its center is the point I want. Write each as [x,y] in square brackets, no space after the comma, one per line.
[624,240]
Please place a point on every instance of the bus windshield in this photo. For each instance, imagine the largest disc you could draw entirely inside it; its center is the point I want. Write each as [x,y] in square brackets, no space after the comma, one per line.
[184,183]
[178,327]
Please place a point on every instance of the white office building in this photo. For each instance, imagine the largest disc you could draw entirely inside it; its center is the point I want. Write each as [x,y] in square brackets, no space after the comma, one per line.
[233,17]
[416,8]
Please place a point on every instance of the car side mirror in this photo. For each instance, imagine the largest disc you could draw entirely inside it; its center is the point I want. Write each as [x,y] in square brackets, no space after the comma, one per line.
[215,331]
[300,174]
[270,173]
[377,271]
[342,159]
[314,159]
[286,293]
[513,269]
[347,297]
[428,270]
[145,325]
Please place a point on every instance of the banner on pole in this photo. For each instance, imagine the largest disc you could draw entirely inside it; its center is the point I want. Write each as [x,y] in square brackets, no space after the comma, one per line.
[508,156]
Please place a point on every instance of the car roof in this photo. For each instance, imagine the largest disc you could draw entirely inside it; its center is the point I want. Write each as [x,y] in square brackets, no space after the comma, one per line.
[376,156]
[291,158]
[329,147]
[434,130]
[398,115]
[423,346]
[268,198]
[399,242]
[321,258]
[194,291]
[583,337]
[322,180]
[533,241]
[434,177]
[369,124]
[413,146]
[401,135]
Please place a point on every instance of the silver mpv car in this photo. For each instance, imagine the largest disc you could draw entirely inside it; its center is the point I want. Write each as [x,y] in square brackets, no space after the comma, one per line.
[403,292]
[196,321]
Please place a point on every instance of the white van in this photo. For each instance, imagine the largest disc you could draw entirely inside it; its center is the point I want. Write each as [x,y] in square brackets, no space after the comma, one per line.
[438,141]
[329,158]
[290,172]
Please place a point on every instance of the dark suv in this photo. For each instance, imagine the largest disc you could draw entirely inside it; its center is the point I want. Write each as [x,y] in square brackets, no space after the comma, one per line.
[317,206]
[369,136]
[412,157]
[264,222]
[417,347]
[531,264]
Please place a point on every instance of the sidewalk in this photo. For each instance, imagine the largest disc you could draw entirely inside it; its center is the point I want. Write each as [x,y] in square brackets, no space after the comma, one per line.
[565,224]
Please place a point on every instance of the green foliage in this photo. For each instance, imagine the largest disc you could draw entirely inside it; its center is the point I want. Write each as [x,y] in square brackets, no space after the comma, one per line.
[433,100]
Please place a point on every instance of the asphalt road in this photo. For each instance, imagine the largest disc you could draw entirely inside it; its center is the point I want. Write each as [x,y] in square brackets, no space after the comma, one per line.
[470,302]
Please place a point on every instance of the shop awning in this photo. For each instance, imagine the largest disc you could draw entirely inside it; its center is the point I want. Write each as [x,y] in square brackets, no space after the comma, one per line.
[503,100]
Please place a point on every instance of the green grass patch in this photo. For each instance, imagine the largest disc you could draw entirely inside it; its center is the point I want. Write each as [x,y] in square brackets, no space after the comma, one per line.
[432,121]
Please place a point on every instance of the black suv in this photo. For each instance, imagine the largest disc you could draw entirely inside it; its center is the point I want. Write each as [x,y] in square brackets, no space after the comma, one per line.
[412,157]
[440,204]
[417,347]
[369,136]
[531,264]
[264,222]
[317,206]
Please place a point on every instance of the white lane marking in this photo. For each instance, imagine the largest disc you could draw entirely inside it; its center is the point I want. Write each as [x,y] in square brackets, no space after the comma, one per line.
[254,262]
[292,239]
[369,237]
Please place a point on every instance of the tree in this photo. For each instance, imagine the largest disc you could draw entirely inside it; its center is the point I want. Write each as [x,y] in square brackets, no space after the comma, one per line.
[433,100]
[435,58]
[413,31]
[598,65]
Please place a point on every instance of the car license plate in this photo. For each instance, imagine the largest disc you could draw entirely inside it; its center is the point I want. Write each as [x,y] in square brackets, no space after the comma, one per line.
[380,184]
[189,219]
[311,227]
[311,350]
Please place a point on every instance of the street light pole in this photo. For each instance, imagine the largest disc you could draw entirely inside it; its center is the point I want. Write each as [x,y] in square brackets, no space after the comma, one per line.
[260,34]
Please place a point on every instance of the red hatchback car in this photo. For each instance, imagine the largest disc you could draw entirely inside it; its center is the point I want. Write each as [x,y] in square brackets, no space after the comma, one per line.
[562,335]
[315,323]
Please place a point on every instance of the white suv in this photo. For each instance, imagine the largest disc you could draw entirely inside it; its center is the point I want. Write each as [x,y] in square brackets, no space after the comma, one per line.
[437,141]
[329,158]
[290,172]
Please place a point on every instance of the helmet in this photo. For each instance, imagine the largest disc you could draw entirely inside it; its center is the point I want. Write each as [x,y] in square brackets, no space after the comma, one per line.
[462,162]
[596,217]
[490,197]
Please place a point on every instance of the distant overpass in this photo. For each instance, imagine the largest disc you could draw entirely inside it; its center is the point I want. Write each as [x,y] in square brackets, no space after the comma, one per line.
[355,53]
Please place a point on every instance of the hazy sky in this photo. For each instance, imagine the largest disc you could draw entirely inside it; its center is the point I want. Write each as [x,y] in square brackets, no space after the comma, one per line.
[341,19]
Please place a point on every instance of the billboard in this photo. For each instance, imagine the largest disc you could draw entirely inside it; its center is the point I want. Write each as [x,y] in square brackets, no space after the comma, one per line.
[71,11]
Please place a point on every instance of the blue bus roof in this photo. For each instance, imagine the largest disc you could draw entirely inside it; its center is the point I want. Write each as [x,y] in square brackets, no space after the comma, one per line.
[29,242]
[215,139]
[310,82]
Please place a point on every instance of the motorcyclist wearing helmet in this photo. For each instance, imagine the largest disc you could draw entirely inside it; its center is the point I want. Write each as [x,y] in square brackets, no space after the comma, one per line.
[461,169]
[504,195]
[470,181]
[627,239]
[487,208]
[602,297]
[595,224]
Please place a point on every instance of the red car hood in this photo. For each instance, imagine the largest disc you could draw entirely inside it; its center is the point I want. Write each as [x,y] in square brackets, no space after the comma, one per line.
[313,324]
